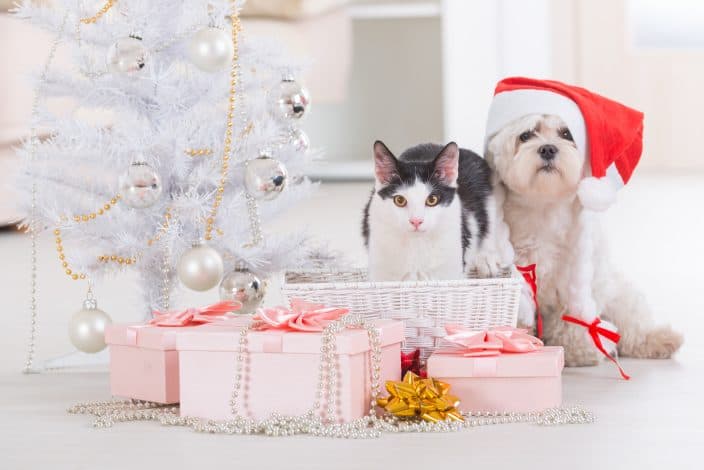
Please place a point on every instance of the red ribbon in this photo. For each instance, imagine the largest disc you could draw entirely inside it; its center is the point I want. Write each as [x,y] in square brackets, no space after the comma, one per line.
[531,278]
[596,332]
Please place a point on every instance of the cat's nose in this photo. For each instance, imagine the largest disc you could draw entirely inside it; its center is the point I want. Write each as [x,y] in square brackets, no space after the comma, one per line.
[416,221]
[547,152]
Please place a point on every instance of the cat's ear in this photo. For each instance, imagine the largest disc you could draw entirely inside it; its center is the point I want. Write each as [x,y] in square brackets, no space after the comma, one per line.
[384,163]
[447,163]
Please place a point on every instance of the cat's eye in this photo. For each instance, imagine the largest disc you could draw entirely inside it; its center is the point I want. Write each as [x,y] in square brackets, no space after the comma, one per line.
[432,200]
[566,134]
[400,201]
[525,137]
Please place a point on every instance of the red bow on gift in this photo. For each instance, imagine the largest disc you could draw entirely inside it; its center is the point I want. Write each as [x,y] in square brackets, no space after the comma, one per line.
[195,316]
[410,362]
[596,332]
[302,316]
[491,342]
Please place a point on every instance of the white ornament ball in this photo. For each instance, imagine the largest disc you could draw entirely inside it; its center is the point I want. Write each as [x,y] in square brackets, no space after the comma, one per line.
[127,56]
[87,328]
[265,178]
[293,100]
[244,287]
[200,268]
[140,186]
[210,49]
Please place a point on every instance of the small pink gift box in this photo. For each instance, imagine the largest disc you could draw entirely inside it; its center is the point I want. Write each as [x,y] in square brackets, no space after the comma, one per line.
[522,382]
[144,359]
[281,371]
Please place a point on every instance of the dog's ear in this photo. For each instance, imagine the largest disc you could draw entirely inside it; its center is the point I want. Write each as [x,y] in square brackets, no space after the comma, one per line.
[446,164]
[385,164]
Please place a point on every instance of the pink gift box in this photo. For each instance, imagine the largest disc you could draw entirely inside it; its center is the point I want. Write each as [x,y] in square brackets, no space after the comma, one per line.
[144,359]
[281,371]
[507,382]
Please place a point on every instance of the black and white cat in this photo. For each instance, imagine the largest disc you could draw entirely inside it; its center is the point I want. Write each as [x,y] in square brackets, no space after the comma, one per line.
[431,215]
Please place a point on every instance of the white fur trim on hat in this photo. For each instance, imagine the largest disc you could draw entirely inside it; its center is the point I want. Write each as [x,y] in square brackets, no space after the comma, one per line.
[508,106]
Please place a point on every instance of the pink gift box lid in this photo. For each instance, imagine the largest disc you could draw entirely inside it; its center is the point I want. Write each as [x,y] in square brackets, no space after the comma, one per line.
[546,362]
[349,341]
[161,337]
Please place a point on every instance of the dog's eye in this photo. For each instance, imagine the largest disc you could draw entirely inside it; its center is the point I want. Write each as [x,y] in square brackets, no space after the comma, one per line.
[400,201]
[432,200]
[525,137]
[566,134]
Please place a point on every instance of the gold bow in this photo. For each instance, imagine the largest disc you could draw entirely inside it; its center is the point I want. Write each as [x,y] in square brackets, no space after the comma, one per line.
[427,399]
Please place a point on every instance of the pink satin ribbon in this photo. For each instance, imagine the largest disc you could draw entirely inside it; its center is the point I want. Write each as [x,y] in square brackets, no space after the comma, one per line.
[195,316]
[491,342]
[302,316]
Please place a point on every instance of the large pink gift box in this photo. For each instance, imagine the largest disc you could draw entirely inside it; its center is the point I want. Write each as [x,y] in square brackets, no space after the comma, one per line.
[281,371]
[144,359]
[530,381]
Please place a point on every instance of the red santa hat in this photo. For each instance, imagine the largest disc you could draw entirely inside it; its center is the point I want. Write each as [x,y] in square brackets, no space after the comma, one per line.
[609,134]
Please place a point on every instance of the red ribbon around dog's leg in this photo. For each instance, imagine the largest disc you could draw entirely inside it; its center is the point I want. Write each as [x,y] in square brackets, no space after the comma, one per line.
[531,278]
[595,331]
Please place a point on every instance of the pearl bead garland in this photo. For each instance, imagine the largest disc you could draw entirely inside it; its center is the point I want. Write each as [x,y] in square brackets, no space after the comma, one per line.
[319,420]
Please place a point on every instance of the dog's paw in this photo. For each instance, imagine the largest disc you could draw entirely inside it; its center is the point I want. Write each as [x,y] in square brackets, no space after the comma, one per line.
[486,263]
[526,308]
[578,345]
[659,343]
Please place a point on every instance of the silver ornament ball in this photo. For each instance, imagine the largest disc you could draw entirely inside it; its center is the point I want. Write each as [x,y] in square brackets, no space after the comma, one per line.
[86,330]
[200,268]
[299,140]
[244,287]
[127,56]
[140,186]
[265,178]
[210,49]
[293,100]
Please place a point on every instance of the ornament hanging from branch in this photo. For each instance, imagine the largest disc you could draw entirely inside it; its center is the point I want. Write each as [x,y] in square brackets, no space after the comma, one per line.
[86,330]
[243,286]
[200,267]
[211,49]
[127,56]
[140,186]
[292,101]
[265,178]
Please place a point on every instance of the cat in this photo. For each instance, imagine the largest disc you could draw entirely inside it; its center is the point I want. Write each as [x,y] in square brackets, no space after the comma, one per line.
[430,215]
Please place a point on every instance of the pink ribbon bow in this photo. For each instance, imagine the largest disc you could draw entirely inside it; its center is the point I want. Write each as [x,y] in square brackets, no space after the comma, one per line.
[302,316]
[491,342]
[195,316]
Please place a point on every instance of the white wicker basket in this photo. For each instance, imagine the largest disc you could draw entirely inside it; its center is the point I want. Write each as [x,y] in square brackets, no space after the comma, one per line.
[424,306]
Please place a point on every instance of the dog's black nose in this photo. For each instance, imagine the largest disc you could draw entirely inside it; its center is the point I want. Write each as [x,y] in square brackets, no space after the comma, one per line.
[547,152]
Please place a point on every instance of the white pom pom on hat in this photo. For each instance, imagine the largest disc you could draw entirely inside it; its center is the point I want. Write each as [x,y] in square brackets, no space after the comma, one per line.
[609,134]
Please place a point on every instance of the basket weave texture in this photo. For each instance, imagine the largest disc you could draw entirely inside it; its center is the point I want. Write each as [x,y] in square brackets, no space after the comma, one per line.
[424,306]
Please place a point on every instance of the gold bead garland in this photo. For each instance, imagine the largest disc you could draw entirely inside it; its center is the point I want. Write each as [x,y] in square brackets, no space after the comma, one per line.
[210,220]
[93,215]
[94,19]
[62,257]
[198,152]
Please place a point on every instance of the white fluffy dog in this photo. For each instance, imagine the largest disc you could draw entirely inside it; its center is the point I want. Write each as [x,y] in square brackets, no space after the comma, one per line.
[539,168]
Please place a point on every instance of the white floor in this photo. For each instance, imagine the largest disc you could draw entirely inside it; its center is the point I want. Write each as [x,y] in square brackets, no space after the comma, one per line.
[654,421]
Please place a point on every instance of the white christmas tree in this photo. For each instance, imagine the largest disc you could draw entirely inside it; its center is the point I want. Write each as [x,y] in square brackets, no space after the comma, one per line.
[201,147]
